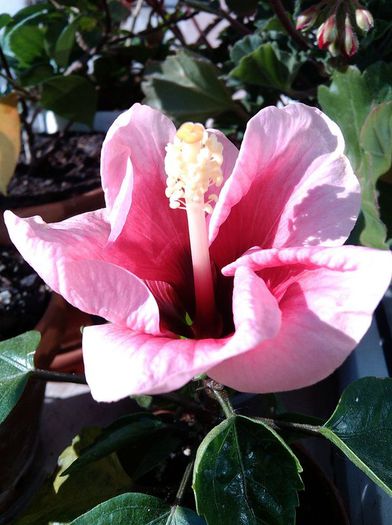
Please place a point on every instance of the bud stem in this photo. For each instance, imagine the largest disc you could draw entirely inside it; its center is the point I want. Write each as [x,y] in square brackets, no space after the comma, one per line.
[202,275]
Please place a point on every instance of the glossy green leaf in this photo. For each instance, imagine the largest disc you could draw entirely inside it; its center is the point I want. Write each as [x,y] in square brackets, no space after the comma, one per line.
[35,75]
[72,97]
[267,66]
[62,499]
[5,18]
[186,86]
[361,428]
[26,41]
[138,509]
[64,44]
[245,473]
[16,364]
[126,431]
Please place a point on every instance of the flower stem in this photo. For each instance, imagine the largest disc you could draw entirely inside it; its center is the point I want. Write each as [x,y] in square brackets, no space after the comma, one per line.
[277,424]
[47,375]
[202,275]
[183,483]
[221,396]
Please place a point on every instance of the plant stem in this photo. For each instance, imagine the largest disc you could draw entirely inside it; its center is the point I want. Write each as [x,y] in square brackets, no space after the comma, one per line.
[221,396]
[220,13]
[277,424]
[108,18]
[183,483]
[280,12]
[158,8]
[47,375]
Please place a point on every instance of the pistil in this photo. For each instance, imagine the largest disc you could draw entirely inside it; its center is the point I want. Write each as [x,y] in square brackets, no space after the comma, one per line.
[193,164]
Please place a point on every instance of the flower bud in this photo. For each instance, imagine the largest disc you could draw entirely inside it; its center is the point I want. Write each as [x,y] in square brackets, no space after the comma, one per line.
[333,49]
[364,19]
[307,18]
[350,39]
[327,32]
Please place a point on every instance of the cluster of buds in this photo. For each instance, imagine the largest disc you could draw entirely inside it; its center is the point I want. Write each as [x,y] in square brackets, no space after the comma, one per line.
[335,21]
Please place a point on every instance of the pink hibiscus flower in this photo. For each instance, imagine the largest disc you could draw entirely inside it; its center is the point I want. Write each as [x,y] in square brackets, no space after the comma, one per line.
[276,301]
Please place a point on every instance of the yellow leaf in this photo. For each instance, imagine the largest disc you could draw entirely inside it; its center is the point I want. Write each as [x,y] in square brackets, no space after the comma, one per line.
[9,138]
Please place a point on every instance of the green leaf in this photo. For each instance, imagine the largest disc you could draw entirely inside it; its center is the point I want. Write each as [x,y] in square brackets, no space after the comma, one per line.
[267,66]
[378,77]
[16,364]
[245,473]
[375,141]
[245,46]
[126,431]
[9,138]
[5,18]
[351,101]
[62,499]
[376,138]
[361,427]
[138,509]
[36,74]
[72,97]
[26,41]
[348,101]
[143,456]
[186,86]
[65,43]
[385,200]
[143,401]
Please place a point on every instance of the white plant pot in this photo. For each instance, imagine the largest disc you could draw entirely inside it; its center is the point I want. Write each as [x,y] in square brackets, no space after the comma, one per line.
[49,122]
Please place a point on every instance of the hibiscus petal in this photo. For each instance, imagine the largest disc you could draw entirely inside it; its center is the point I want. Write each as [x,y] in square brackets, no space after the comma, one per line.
[148,237]
[327,304]
[119,362]
[291,185]
[70,258]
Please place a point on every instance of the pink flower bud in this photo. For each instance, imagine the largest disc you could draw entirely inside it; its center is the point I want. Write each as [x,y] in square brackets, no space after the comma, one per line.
[350,39]
[364,19]
[327,32]
[307,18]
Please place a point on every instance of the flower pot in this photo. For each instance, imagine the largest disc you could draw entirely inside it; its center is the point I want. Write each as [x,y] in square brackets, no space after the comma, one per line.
[68,358]
[49,122]
[19,432]
[367,503]
[321,502]
[57,211]
[64,181]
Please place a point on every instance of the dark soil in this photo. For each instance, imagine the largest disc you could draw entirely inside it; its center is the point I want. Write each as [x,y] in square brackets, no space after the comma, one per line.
[23,294]
[64,166]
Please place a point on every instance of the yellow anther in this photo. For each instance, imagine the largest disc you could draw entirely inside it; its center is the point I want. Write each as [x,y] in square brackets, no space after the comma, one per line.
[193,163]
[190,132]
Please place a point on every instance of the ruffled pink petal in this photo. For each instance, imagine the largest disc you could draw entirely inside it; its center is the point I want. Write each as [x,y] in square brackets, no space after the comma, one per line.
[70,257]
[327,297]
[147,236]
[291,185]
[230,155]
[119,362]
